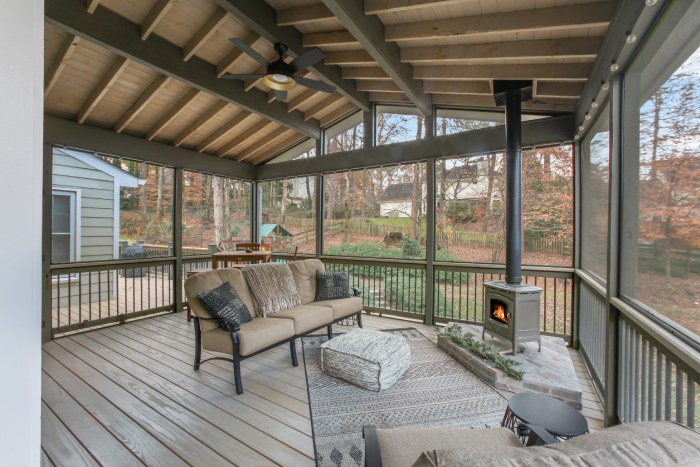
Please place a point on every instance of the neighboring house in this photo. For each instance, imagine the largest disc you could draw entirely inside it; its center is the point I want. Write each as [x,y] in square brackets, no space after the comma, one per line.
[85,209]
[397,200]
[275,235]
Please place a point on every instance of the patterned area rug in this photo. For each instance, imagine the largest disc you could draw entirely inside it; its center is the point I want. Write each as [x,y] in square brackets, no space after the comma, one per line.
[435,392]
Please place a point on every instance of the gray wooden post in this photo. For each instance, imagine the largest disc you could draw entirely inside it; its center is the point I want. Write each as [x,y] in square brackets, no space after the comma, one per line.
[46,321]
[318,193]
[177,240]
[430,242]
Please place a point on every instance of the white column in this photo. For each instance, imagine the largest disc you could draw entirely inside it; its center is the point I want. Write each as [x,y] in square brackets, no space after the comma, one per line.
[21,95]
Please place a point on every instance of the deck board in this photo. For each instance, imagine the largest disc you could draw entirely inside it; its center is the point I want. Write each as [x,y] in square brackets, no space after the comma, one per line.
[128,394]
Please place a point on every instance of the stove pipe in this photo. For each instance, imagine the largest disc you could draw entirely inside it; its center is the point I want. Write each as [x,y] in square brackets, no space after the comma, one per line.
[512,93]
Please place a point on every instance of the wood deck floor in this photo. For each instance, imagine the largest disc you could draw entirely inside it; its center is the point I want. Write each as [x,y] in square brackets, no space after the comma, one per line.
[127,395]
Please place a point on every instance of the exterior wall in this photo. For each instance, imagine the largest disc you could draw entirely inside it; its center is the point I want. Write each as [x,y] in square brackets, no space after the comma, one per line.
[399,208]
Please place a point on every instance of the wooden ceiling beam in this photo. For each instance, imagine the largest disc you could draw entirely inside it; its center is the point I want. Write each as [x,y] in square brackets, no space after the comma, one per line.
[540,104]
[373,7]
[578,48]
[559,72]
[122,37]
[118,66]
[458,87]
[337,114]
[279,147]
[261,18]
[258,148]
[322,39]
[225,65]
[303,14]
[92,5]
[220,132]
[204,33]
[369,32]
[300,99]
[67,48]
[141,103]
[379,85]
[242,138]
[559,89]
[321,106]
[349,57]
[389,98]
[171,113]
[200,122]
[154,16]
[553,18]
[365,72]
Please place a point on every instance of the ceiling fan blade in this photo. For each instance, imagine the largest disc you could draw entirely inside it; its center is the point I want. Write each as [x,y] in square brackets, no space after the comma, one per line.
[281,96]
[242,76]
[318,85]
[249,50]
[303,61]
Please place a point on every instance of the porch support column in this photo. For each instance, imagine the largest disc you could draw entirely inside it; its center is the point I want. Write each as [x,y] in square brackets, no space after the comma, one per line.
[430,242]
[318,195]
[46,205]
[368,123]
[177,240]
[256,212]
[514,225]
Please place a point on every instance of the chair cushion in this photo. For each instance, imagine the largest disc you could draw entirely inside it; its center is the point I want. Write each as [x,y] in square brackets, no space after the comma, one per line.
[332,285]
[223,302]
[342,307]
[254,335]
[306,317]
[272,286]
[235,277]
[304,273]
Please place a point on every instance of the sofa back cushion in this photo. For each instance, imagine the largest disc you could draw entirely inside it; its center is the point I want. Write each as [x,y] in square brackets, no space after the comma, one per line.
[195,284]
[235,277]
[304,273]
[272,286]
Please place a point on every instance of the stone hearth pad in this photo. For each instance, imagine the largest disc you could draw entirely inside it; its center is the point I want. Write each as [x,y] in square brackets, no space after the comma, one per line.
[548,372]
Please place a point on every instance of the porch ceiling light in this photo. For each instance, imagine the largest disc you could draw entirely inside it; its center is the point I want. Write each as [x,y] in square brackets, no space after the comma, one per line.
[594,104]
[614,67]
[587,117]
[631,38]
[605,85]
[651,2]
[580,128]
[279,82]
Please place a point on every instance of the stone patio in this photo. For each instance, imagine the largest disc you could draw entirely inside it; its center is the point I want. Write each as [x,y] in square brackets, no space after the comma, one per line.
[548,372]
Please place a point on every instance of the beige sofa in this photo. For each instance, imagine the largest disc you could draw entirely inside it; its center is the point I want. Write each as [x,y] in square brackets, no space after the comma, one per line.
[634,444]
[262,334]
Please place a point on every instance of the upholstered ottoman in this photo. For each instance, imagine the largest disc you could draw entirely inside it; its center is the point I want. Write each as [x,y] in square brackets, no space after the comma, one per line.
[373,360]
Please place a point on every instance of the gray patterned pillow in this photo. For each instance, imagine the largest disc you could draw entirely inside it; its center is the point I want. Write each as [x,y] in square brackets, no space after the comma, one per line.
[332,285]
[224,302]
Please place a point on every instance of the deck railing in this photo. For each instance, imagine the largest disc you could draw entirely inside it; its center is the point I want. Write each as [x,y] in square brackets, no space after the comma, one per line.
[592,327]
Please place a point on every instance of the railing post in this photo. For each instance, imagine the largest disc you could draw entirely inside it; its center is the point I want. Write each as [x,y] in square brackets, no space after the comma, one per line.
[256,212]
[430,242]
[177,240]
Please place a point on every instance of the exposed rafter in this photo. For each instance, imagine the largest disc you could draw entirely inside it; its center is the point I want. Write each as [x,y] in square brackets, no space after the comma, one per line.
[241,139]
[220,132]
[322,39]
[349,57]
[101,89]
[564,17]
[338,113]
[321,106]
[154,16]
[580,48]
[487,102]
[370,72]
[200,122]
[67,48]
[261,18]
[204,33]
[92,5]
[557,89]
[304,96]
[124,38]
[369,32]
[559,72]
[379,86]
[256,149]
[172,112]
[373,7]
[273,151]
[458,87]
[141,103]
[303,14]
[234,55]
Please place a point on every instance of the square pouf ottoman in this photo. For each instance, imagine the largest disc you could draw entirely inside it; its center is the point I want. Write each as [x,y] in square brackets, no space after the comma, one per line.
[373,360]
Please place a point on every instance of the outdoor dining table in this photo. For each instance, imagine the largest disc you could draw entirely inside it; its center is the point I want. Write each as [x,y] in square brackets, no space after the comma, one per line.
[240,257]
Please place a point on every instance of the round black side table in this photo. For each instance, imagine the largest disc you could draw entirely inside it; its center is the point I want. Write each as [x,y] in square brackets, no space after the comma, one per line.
[555,416]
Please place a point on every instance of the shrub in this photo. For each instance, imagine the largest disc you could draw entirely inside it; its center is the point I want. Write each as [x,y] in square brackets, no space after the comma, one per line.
[409,247]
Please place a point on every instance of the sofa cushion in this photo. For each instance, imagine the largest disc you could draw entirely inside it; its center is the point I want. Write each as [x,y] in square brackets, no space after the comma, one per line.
[332,285]
[254,335]
[304,273]
[306,317]
[235,277]
[223,302]
[342,307]
[198,283]
[401,447]
[272,287]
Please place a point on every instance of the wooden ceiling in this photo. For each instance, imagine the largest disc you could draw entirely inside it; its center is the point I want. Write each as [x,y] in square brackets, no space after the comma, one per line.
[421,52]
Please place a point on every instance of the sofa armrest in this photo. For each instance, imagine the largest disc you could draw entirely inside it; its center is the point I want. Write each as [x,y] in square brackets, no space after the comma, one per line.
[356,292]
[536,435]
[373,457]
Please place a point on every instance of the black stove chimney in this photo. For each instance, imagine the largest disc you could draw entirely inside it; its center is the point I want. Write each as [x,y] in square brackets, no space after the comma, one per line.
[512,93]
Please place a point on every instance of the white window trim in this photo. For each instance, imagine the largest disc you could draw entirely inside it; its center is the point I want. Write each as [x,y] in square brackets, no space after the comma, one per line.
[75,210]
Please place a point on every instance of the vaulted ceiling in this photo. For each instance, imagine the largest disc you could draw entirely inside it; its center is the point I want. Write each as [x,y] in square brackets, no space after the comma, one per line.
[151,68]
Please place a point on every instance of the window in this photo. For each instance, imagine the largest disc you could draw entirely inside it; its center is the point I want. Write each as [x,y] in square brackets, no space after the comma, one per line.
[396,124]
[63,227]
[376,212]
[595,150]
[214,210]
[661,214]
[289,214]
[346,135]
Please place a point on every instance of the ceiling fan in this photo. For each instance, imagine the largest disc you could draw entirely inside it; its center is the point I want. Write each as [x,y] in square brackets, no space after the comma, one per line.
[280,75]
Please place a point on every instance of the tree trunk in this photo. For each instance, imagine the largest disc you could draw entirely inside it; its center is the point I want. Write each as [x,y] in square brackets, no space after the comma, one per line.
[159,193]
[143,192]
[283,206]
[489,192]
[417,197]
[218,192]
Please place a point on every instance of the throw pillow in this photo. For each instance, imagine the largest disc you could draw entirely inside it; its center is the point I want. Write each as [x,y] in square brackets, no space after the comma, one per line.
[332,285]
[273,287]
[224,302]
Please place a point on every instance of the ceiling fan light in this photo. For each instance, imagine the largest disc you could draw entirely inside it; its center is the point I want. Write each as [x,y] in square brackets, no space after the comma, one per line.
[279,82]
